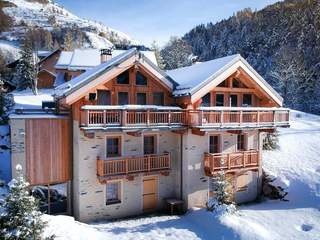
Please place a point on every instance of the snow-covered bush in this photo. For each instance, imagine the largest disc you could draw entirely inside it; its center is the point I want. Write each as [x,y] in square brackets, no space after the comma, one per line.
[20,217]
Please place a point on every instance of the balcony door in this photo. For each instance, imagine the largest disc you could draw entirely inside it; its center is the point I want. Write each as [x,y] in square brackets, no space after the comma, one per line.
[103,97]
[233,100]
[149,145]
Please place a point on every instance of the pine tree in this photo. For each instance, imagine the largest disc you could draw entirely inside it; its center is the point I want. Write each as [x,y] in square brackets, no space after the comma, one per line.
[48,41]
[155,48]
[20,218]
[221,193]
[26,73]
[68,41]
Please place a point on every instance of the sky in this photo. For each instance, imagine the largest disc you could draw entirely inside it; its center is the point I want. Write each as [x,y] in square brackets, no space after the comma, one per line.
[158,20]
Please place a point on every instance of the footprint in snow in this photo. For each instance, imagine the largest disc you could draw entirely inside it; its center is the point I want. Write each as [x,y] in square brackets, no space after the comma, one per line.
[306,227]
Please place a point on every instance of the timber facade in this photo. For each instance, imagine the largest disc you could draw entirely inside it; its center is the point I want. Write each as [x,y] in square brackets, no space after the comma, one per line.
[124,136]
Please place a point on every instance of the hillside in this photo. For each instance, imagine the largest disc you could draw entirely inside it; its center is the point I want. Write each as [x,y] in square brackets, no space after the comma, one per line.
[51,22]
[281,41]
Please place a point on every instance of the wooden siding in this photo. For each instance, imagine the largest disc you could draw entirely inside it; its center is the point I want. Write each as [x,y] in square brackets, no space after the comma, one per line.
[48,151]
[45,80]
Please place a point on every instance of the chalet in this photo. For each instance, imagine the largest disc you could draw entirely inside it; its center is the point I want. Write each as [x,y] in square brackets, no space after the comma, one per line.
[117,136]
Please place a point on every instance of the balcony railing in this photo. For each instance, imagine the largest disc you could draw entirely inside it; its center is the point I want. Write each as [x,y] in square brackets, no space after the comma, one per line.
[131,165]
[224,117]
[100,116]
[229,162]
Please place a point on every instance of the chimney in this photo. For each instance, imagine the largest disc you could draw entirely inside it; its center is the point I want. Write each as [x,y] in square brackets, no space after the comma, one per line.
[105,55]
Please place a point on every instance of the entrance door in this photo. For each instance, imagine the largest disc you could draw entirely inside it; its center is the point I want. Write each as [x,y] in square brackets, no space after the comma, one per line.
[150,193]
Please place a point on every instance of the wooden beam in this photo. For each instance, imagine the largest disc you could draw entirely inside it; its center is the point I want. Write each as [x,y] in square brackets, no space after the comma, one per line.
[180,131]
[235,131]
[134,134]
[269,130]
[196,131]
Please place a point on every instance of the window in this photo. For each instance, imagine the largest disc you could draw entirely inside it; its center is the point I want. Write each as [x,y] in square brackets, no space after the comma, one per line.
[240,142]
[214,144]
[104,97]
[140,79]
[113,147]
[234,100]
[149,144]
[223,84]
[242,183]
[219,100]
[123,98]
[113,192]
[158,98]
[247,100]
[141,98]
[206,100]
[235,83]
[123,78]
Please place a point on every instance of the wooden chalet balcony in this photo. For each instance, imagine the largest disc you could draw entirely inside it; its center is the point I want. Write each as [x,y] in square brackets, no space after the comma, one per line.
[239,117]
[230,162]
[146,116]
[132,165]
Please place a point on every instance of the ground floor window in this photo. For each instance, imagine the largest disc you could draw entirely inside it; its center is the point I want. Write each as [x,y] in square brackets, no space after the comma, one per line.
[53,199]
[113,192]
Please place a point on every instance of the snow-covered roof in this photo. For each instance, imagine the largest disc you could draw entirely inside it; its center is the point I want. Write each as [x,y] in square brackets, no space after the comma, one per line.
[27,100]
[87,76]
[196,77]
[83,59]
[190,77]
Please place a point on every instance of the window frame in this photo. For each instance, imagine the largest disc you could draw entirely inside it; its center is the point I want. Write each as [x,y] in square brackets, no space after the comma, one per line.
[215,99]
[146,79]
[248,94]
[219,148]
[124,72]
[244,142]
[163,98]
[119,193]
[209,96]
[146,98]
[118,98]
[119,146]
[155,144]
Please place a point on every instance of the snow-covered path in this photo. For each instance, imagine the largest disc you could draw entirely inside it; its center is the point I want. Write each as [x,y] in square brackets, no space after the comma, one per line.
[297,167]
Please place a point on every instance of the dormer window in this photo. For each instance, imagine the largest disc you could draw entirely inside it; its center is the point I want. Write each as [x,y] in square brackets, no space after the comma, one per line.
[123,78]
[141,80]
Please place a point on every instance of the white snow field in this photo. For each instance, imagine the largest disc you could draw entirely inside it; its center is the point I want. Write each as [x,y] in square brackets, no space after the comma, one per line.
[297,167]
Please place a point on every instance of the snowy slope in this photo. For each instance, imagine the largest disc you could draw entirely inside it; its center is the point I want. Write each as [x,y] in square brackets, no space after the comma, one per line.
[35,14]
[296,165]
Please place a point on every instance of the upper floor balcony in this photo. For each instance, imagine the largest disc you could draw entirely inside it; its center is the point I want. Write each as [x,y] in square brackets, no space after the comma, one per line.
[235,117]
[135,117]
[132,116]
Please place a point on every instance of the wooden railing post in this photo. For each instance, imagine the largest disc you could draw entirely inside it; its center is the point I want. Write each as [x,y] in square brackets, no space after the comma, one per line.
[148,157]
[244,160]
[274,117]
[240,118]
[124,118]
[104,118]
[200,118]
[148,117]
[87,117]
[169,117]
[221,118]
[258,117]
[229,161]
[127,170]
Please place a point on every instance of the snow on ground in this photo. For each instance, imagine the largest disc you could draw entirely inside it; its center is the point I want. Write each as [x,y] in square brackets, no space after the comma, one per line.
[296,165]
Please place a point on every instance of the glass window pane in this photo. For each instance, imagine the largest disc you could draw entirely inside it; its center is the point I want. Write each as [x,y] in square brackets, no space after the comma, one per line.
[113,192]
[206,100]
[214,144]
[220,100]
[123,98]
[140,79]
[141,98]
[149,144]
[104,97]
[113,147]
[247,100]
[123,78]
[234,100]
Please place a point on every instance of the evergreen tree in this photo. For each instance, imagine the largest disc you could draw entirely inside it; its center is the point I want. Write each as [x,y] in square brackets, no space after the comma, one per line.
[155,48]
[48,43]
[26,73]
[68,41]
[20,219]
[221,192]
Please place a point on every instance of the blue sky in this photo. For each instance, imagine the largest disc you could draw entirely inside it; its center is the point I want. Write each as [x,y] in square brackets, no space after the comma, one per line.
[148,20]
